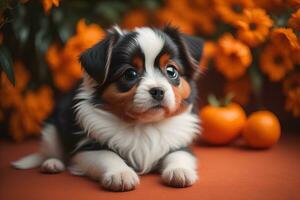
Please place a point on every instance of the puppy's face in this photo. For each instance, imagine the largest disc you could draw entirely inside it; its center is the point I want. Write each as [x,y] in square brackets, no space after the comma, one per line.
[144,75]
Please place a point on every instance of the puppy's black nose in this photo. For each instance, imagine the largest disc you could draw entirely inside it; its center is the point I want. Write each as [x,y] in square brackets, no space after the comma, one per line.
[157,93]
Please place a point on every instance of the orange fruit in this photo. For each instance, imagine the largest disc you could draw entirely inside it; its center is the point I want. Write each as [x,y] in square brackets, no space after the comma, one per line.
[262,129]
[222,124]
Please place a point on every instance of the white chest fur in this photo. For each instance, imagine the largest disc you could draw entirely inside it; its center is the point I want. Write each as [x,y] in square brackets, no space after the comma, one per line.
[142,145]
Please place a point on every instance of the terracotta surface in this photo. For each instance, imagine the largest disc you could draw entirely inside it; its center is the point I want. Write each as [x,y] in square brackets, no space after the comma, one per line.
[225,173]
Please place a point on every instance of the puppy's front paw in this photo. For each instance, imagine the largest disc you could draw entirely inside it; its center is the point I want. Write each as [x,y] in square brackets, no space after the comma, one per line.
[121,181]
[179,177]
[52,166]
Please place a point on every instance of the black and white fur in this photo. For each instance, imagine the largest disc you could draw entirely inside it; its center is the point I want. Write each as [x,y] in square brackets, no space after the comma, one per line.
[95,142]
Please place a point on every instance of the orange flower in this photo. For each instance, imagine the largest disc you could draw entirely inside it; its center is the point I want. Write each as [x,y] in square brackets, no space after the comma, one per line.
[64,81]
[39,103]
[27,118]
[22,76]
[254,27]
[209,50]
[64,65]
[53,56]
[275,61]
[135,18]
[27,110]
[241,89]
[231,11]
[89,34]
[178,7]
[232,57]
[291,82]
[12,93]
[21,124]
[291,88]
[48,4]
[63,61]
[296,56]
[202,4]
[285,38]
[294,21]
[292,102]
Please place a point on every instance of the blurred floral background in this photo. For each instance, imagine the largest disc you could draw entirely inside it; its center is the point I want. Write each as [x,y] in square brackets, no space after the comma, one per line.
[252,50]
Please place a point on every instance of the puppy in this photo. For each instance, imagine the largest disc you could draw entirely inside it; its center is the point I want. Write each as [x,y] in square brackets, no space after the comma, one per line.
[133,112]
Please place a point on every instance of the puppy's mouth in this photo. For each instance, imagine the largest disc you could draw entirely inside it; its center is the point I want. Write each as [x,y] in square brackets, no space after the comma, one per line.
[158,106]
[155,112]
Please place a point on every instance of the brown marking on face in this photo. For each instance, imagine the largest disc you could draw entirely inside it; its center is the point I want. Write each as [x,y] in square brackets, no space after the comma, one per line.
[121,104]
[138,62]
[164,60]
[185,88]
[181,93]
[118,102]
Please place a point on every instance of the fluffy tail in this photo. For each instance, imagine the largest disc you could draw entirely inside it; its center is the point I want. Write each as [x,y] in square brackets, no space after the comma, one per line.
[28,162]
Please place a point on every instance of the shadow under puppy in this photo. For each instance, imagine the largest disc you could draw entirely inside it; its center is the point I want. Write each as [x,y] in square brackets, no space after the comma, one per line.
[132,113]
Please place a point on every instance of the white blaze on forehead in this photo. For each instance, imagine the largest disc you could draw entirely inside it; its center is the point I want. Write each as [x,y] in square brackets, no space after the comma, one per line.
[151,44]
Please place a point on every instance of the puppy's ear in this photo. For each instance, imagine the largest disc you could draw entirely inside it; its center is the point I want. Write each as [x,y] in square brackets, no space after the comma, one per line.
[96,60]
[190,49]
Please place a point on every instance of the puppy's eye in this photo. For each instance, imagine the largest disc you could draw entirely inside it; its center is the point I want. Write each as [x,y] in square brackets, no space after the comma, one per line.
[172,72]
[130,75]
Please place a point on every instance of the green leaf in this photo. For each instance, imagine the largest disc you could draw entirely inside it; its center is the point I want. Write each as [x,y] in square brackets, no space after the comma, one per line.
[151,5]
[43,37]
[64,23]
[42,41]
[20,25]
[212,100]
[6,64]
[107,11]
[23,34]
[228,98]
[110,11]
[256,81]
